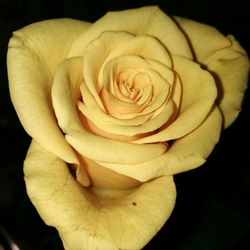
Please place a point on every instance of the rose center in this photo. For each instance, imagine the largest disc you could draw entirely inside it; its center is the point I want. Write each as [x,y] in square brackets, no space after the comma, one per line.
[136,88]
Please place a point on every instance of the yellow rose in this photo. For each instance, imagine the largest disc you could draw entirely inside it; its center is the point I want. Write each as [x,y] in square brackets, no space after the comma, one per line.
[115,109]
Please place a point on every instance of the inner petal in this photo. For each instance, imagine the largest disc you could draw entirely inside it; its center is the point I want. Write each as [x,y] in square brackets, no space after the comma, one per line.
[144,46]
[141,80]
[87,144]
[145,85]
[91,109]
[94,57]
[146,95]
[127,133]
[198,96]
[116,107]
[123,85]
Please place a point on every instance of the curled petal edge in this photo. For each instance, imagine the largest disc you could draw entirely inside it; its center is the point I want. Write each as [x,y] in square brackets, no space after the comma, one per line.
[95,219]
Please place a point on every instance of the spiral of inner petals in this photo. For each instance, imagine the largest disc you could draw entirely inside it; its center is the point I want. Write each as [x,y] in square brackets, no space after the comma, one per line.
[131,93]
[132,86]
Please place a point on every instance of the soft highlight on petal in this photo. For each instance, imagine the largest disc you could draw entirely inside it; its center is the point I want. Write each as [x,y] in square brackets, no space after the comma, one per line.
[101,219]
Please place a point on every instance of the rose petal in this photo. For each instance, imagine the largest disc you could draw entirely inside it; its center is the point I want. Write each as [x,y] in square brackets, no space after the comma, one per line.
[98,113]
[225,58]
[119,108]
[109,45]
[101,219]
[198,95]
[90,126]
[232,83]
[88,144]
[149,126]
[205,39]
[186,153]
[172,78]
[102,177]
[161,87]
[33,55]
[143,21]
[144,46]
[107,150]
[94,57]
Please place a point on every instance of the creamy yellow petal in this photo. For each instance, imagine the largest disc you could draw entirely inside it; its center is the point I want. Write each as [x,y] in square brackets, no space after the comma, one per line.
[165,72]
[90,126]
[87,144]
[102,177]
[149,126]
[198,96]
[65,93]
[143,21]
[230,67]
[173,80]
[205,40]
[98,113]
[225,58]
[144,46]
[161,87]
[193,149]
[97,219]
[107,150]
[49,40]
[184,154]
[94,57]
[115,107]
[110,45]
[33,55]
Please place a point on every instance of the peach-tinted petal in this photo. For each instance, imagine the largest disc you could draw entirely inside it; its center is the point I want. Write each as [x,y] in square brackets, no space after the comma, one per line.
[98,113]
[143,21]
[87,144]
[184,154]
[149,126]
[33,55]
[225,58]
[115,107]
[160,86]
[97,219]
[198,95]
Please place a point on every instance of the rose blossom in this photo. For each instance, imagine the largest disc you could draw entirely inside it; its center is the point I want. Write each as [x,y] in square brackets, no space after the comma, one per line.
[115,109]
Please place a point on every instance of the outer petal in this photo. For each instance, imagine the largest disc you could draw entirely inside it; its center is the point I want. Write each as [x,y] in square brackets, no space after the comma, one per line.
[34,53]
[225,58]
[143,21]
[104,219]
[186,153]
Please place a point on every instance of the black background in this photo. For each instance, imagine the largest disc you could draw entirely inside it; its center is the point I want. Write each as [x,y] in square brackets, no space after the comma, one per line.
[212,210]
